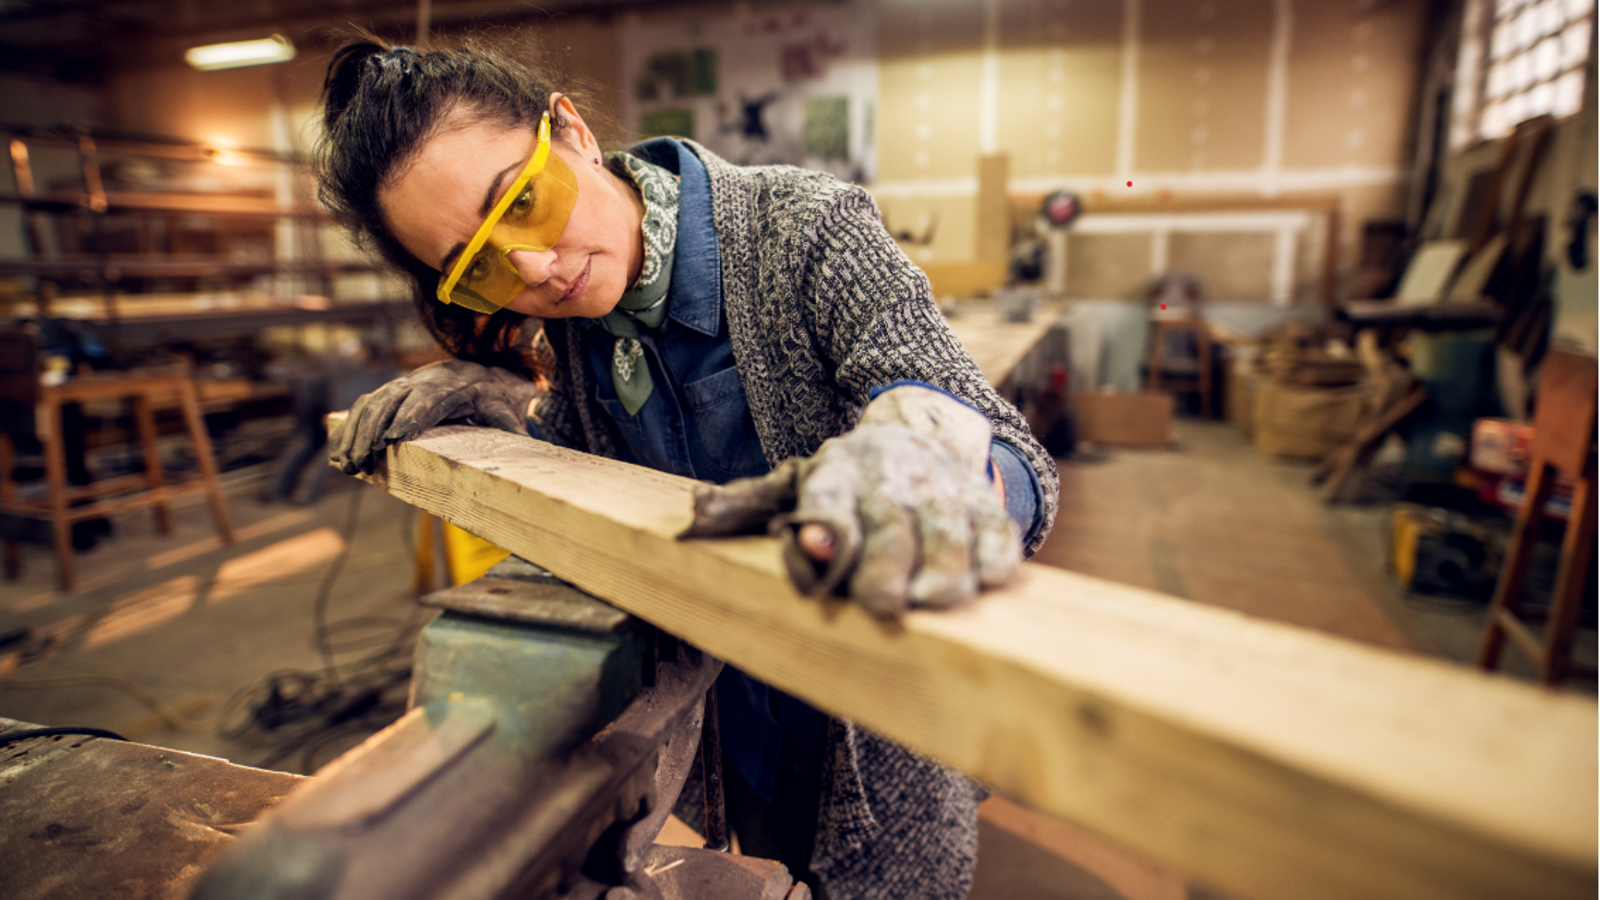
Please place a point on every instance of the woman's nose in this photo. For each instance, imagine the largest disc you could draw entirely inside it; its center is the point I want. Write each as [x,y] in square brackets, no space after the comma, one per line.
[535,266]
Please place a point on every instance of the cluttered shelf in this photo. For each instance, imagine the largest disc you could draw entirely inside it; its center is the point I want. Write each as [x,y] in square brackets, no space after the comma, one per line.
[147,202]
[123,215]
[115,267]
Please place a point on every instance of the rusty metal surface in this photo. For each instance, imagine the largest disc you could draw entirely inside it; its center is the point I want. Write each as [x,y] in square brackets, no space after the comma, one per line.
[522,570]
[549,738]
[687,873]
[90,817]
[716,801]
[479,818]
[554,605]
[673,764]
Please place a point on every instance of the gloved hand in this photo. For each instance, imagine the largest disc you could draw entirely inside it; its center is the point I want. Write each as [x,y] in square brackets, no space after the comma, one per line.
[905,496]
[411,404]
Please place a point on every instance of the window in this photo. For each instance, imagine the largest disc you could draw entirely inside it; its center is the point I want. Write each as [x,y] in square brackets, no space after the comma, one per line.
[1519,59]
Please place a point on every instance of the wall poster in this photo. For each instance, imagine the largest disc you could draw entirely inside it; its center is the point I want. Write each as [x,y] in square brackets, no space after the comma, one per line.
[758,86]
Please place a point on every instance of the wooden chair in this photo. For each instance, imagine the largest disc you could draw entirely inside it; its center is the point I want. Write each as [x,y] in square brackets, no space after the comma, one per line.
[1563,444]
[137,491]
[1159,373]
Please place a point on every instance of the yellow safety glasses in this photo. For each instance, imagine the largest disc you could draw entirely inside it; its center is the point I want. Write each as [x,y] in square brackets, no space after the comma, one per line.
[530,216]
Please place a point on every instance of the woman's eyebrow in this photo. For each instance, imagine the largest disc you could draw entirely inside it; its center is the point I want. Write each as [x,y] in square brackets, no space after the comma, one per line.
[494,187]
[488,204]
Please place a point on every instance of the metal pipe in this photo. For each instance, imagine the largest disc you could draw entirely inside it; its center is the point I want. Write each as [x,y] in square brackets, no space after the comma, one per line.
[711,768]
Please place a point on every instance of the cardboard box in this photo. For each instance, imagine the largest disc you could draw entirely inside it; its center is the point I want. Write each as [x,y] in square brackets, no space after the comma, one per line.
[1127,420]
[1306,422]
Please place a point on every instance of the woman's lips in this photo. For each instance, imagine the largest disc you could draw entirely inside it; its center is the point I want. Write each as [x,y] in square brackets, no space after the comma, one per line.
[578,284]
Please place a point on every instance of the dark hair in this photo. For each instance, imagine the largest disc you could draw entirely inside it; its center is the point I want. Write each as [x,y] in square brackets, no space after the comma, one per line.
[381,104]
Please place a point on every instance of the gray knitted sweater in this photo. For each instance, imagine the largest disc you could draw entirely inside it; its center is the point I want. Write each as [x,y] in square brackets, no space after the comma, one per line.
[822,306]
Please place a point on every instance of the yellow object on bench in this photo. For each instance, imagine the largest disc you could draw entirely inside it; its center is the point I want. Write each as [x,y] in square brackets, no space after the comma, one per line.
[466,556]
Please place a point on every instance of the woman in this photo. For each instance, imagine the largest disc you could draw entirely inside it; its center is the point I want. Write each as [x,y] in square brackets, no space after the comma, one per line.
[747,325]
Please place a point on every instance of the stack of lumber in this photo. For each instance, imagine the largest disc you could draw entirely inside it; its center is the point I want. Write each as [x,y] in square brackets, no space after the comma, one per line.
[1294,356]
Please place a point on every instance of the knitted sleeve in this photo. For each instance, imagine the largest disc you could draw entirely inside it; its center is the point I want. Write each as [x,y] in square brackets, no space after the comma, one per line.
[875,318]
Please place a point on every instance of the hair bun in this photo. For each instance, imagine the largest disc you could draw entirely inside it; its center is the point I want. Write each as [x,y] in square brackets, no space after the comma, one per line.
[343,80]
[402,58]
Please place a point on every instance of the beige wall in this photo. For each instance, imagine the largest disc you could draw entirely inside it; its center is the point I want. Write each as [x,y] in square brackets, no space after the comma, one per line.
[1227,98]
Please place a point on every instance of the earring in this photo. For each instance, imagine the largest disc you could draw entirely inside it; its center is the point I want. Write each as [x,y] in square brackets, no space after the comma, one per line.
[597,160]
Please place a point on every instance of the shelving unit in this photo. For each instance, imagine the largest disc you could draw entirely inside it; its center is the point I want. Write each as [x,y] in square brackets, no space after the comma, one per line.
[250,250]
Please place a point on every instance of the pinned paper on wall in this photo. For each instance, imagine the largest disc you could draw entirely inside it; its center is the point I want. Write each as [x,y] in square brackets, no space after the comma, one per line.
[678,74]
[671,122]
[759,88]
[827,127]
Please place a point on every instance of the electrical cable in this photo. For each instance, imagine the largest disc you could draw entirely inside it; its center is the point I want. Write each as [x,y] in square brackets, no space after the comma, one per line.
[298,710]
[319,609]
[12,737]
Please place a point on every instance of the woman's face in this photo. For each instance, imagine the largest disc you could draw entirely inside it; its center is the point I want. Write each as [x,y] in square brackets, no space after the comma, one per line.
[437,204]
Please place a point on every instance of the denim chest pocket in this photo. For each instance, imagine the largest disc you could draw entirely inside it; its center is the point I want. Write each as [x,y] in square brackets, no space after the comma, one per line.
[722,429]
[629,428]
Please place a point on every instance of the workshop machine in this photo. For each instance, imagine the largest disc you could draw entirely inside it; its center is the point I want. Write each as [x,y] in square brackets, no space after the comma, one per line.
[548,737]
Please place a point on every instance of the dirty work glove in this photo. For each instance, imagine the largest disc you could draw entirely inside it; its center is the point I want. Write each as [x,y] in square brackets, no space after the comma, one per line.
[411,404]
[905,496]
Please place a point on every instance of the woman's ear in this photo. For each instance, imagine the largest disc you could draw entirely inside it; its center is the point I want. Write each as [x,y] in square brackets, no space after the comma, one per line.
[576,132]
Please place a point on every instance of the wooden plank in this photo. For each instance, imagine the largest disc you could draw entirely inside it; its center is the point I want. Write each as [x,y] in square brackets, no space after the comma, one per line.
[1261,759]
[1177,203]
[1365,443]
[195,204]
[994,212]
[1564,415]
[1131,878]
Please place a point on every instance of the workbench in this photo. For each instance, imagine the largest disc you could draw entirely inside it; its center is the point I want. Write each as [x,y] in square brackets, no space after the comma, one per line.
[91,817]
[1012,355]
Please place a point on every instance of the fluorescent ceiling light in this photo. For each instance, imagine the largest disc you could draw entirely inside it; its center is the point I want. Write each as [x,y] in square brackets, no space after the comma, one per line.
[274,49]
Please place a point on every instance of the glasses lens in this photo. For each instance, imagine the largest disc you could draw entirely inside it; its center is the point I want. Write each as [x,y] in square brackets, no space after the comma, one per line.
[533,221]
[537,217]
[471,299]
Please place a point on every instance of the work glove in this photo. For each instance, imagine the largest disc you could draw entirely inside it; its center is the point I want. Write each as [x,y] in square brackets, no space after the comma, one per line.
[905,496]
[437,392]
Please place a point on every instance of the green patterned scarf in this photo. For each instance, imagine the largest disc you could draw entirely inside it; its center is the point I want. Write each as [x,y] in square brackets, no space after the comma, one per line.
[644,304]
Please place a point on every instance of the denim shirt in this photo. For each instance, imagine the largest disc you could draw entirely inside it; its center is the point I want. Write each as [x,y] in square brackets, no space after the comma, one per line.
[697,424]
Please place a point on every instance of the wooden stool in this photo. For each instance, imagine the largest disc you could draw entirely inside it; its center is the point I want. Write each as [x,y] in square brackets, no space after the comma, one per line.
[147,490]
[1563,443]
[1156,378]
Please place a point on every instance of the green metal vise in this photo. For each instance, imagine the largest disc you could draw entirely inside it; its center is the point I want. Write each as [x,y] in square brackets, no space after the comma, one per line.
[548,738]
[555,663]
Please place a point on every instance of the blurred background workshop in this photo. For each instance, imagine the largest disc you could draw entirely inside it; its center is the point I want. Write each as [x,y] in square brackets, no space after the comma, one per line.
[1300,294]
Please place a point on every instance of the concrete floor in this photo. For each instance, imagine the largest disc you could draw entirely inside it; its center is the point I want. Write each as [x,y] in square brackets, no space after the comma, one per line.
[1213,521]
[181,619]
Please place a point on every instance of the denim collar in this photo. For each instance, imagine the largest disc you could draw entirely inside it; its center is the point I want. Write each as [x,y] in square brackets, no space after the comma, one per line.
[696,293]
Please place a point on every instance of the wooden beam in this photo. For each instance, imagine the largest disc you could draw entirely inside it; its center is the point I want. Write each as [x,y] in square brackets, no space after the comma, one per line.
[1260,759]
[993,211]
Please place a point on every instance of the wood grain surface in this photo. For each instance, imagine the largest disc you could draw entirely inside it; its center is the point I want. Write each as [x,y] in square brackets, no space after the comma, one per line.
[1263,760]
